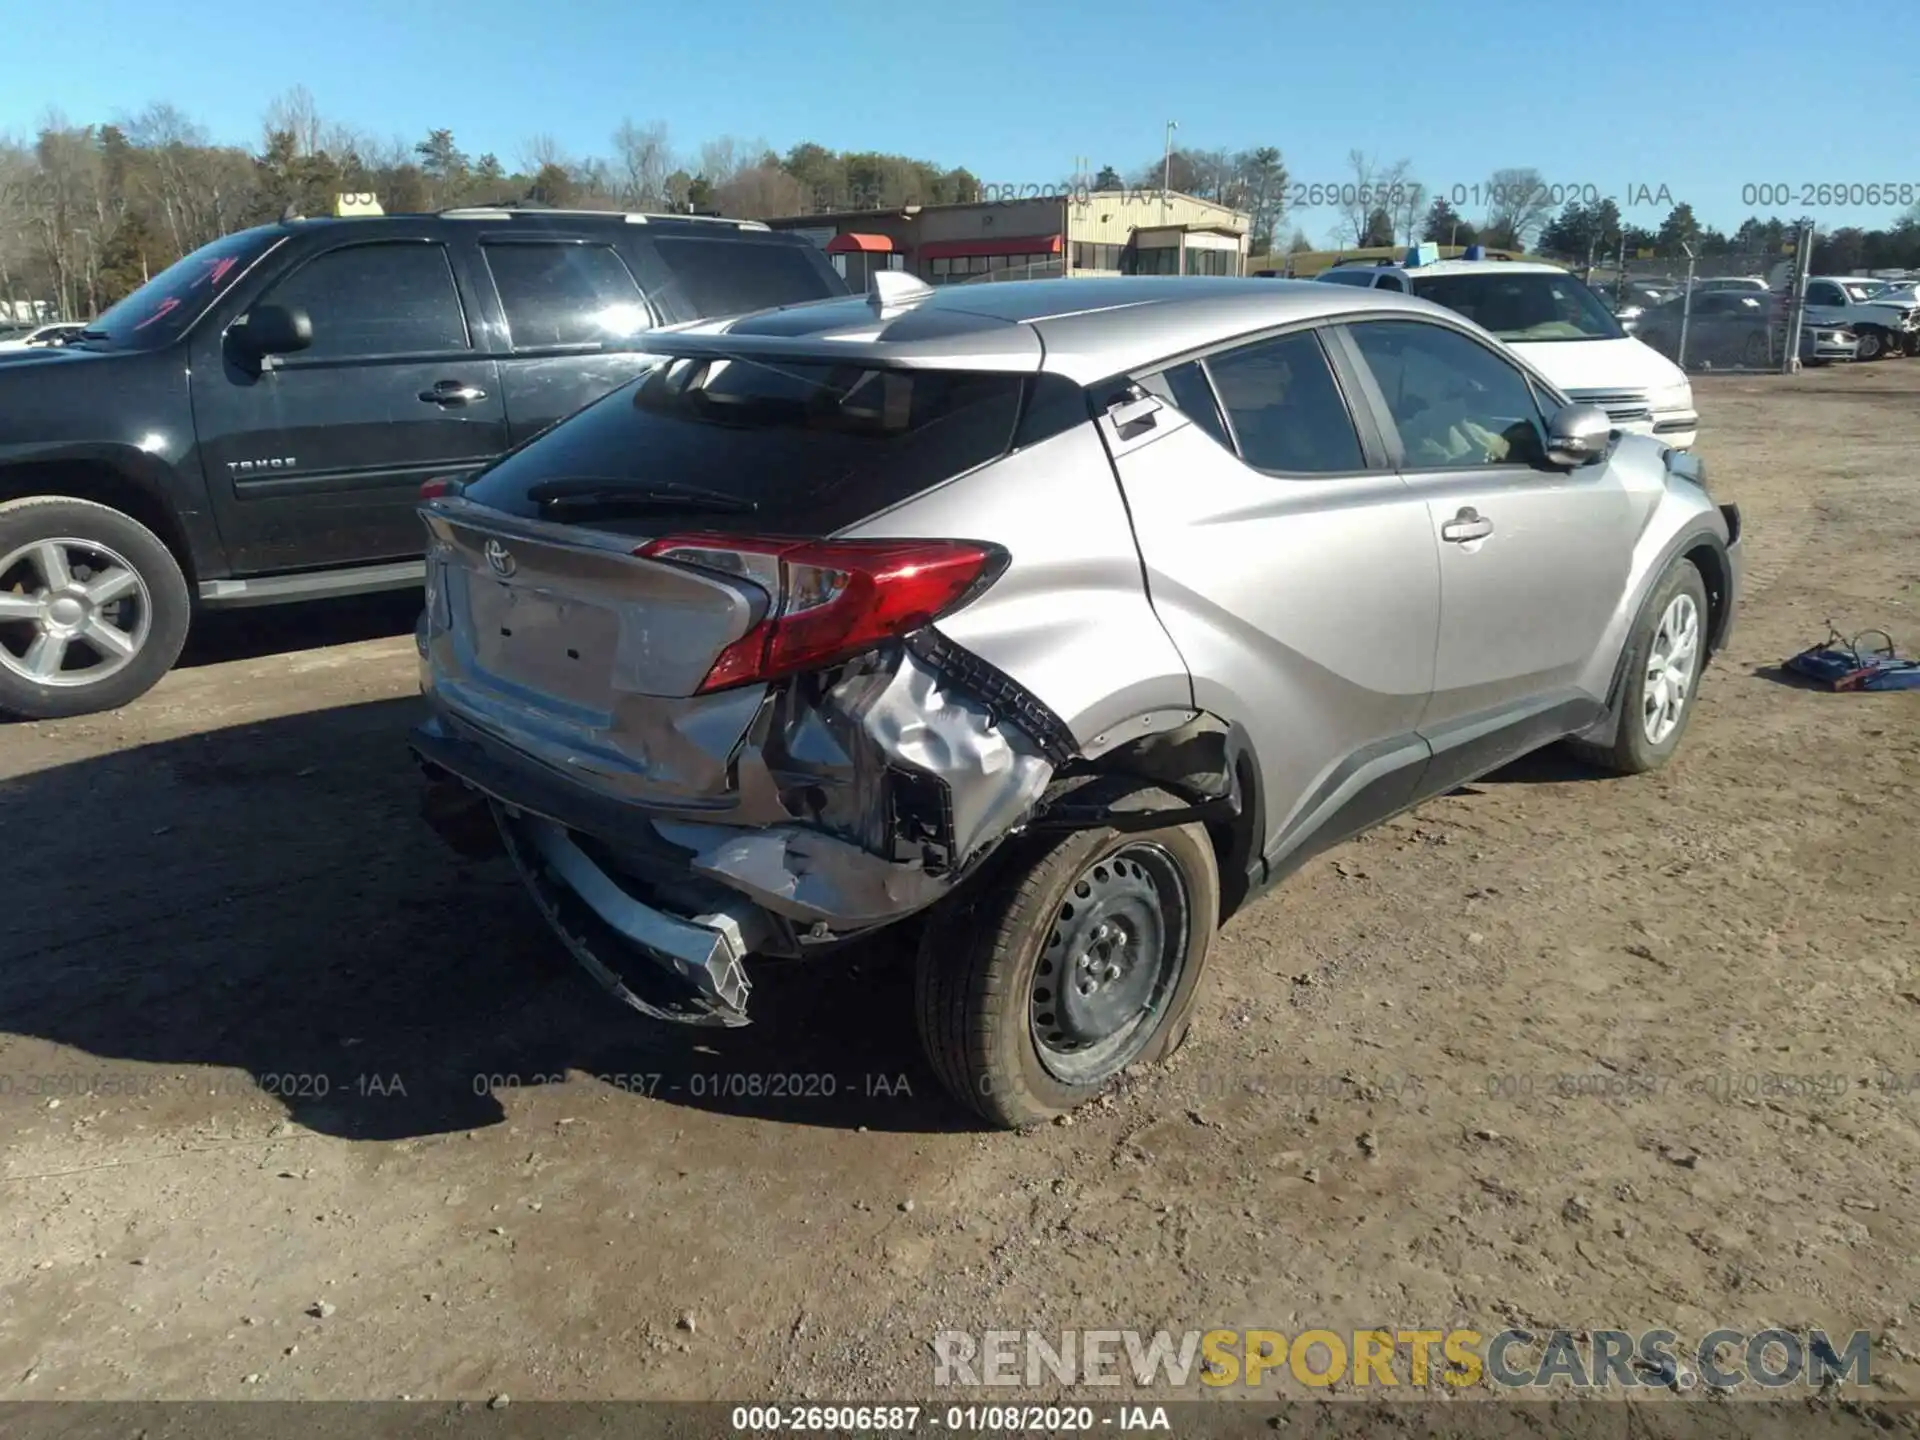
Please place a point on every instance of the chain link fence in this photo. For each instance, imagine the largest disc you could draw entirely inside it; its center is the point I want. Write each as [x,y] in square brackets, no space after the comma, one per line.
[1714,313]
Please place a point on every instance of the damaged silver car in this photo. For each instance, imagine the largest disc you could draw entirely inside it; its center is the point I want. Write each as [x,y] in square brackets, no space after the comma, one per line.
[1062,618]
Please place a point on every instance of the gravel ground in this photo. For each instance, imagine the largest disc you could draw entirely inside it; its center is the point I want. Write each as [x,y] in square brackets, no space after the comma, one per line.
[294,1103]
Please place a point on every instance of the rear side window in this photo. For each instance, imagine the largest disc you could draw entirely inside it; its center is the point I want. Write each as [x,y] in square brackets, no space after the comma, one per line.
[1287,411]
[1348,277]
[768,447]
[396,298]
[731,277]
[563,294]
[1192,395]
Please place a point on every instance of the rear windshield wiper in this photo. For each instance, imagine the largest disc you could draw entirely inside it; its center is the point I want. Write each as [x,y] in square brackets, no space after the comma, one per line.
[611,495]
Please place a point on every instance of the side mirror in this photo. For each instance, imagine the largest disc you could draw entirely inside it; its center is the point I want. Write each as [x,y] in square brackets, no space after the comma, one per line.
[274,330]
[1578,435]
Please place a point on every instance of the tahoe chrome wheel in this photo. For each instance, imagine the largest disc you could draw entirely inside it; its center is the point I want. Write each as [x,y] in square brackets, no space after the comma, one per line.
[1672,661]
[1112,963]
[72,612]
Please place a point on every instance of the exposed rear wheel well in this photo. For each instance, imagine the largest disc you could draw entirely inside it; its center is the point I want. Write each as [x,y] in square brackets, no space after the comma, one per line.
[1236,842]
[83,480]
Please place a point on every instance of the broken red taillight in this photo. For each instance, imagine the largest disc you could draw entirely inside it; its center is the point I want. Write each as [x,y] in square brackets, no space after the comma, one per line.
[831,598]
[443,485]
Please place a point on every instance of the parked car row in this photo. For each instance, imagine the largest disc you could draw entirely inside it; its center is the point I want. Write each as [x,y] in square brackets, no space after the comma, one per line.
[1052,623]
[1738,327]
[253,425]
[1741,320]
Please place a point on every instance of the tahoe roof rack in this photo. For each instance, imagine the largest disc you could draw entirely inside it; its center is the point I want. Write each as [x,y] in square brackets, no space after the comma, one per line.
[632,217]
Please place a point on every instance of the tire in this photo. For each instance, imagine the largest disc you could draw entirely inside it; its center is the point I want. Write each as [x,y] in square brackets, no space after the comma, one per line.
[981,995]
[1873,346]
[1755,352]
[50,668]
[1636,747]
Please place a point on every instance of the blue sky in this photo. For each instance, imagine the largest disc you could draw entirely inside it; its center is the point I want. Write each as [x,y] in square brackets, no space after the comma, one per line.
[1625,98]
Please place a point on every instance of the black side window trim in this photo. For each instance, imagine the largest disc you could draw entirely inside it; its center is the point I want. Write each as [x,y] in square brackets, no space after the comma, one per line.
[300,361]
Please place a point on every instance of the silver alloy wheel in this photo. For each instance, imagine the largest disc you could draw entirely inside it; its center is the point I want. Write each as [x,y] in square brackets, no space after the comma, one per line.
[1671,661]
[62,600]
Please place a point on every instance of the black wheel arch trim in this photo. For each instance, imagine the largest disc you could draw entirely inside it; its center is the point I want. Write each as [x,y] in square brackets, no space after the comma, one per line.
[1693,539]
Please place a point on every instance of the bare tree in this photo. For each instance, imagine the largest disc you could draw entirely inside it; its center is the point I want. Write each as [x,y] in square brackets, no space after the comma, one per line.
[724,158]
[1517,206]
[541,151]
[760,192]
[17,172]
[1408,207]
[294,112]
[642,161]
[1374,187]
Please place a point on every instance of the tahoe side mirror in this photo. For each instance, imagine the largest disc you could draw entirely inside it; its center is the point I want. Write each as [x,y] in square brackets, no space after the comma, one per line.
[275,330]
[1578,435]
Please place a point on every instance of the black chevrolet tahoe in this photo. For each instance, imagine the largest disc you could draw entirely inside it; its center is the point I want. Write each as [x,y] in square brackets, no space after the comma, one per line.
[254,425]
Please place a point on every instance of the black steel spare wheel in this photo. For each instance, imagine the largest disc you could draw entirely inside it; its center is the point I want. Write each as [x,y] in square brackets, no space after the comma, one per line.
[1111,964]
[1065,960]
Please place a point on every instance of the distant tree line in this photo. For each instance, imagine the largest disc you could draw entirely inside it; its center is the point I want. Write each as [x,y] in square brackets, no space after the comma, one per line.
[88,212]
[1384,204]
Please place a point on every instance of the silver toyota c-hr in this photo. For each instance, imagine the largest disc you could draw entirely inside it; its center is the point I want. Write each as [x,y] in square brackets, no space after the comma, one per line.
[1063,616]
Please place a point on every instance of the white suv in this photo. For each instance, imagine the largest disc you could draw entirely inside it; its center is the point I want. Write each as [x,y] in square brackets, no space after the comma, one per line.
[1560,327]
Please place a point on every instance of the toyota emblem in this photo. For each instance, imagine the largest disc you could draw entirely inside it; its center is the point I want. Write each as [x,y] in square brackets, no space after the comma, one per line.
[500,559]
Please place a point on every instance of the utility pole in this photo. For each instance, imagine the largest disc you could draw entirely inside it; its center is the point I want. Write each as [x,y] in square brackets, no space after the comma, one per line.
[1797,298]
[1166,169]
[1686,305]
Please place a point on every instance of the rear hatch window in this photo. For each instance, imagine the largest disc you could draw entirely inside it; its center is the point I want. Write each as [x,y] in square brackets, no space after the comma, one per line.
[770,446]
[715,276]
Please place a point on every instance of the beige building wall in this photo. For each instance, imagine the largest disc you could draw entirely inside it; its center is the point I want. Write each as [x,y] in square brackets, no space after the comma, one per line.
[1104,222]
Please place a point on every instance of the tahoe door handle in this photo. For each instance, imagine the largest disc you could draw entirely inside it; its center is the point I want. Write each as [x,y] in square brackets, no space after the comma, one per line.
[1469,524]
[453,392]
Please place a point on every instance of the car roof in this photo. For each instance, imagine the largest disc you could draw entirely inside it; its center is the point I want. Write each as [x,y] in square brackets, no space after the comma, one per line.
[1085,329]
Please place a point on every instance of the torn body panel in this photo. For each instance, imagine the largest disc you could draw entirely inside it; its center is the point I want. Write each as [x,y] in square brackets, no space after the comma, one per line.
[846,801]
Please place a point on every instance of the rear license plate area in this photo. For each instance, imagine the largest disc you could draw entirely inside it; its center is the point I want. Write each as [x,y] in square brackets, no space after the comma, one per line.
[554,645]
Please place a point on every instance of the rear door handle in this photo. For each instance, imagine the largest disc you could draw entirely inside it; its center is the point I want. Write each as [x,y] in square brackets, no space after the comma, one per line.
[1469,524]
[453,392]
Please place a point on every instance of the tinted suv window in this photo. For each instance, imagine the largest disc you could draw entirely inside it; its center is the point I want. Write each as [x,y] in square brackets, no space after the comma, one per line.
[778,448]
[1454,402]
[390,299]
[1287,412]
[731,277]
[563,294]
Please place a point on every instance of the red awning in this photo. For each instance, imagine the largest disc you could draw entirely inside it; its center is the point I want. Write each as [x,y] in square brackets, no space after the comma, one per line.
[850,243]
[1017,245]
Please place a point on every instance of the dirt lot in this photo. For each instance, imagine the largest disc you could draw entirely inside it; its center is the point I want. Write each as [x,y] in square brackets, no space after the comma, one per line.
[262,1034]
